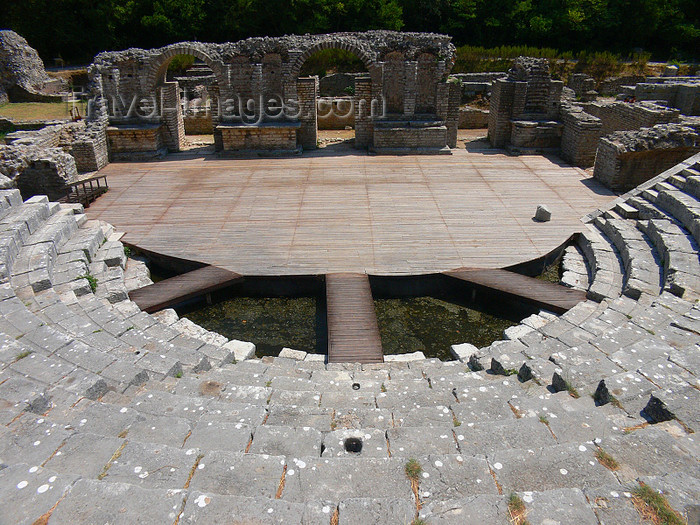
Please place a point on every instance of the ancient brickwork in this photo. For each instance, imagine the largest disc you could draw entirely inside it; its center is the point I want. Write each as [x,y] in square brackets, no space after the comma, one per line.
[625,159]
[622,116]
[613,86]
[363,120]
[580,136]
[306,91]
[682,93]
[408,72]
[146,138]
[527,94]
[269,137]
[473,118]
[36,170]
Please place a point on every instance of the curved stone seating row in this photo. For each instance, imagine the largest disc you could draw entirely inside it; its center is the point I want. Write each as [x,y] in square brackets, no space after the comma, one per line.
[268,439]
[204,446]
[53,250]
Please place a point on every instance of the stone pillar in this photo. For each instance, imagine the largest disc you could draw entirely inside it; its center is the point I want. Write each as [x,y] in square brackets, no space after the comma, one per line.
[454,97]
[580,137]
[174,136]
[306,91]
[410,89]
[507,99]
[363,112]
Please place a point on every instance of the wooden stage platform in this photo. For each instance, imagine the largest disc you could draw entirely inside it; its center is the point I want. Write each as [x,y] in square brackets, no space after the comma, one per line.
[348,212]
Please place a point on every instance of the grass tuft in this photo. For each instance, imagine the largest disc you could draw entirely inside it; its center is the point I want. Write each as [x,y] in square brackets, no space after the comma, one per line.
[413,470]
[22,355]
[517,510]
[653,506]
[606,460]
[92,281]
[544,420]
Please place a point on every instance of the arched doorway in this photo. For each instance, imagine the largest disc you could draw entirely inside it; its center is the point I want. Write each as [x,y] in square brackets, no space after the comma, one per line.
[338,78]
[186,84]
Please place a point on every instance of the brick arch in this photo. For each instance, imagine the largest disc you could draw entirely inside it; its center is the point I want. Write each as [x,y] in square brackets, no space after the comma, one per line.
[160,64]
[367,59]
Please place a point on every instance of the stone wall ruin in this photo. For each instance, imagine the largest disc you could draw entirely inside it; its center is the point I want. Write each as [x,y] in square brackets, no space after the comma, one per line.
[256,90]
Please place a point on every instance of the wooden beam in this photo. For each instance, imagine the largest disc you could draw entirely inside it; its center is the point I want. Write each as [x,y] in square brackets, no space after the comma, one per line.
[550,296]
[169,292]
[353,332]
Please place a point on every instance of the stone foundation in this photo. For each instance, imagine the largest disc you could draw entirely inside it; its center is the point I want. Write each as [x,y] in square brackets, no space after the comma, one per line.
[335,113]
[580,136]
[127,139]
[198,124]
[532,136]
[393,137]
[473,118]
[623,116]
[682,94]
[280,137]
[626,159]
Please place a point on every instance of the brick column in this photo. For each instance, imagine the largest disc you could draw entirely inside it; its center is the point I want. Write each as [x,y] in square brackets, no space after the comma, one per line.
[500,112]
[454,97]
[174,136]
[363,112]
[306,91]
[410,89]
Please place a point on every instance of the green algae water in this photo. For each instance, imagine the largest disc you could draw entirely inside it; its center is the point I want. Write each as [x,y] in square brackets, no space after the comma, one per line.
[426,314]
[431,325]
[270,322]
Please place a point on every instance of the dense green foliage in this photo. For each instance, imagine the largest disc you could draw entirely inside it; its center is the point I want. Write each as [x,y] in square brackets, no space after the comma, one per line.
[77,29]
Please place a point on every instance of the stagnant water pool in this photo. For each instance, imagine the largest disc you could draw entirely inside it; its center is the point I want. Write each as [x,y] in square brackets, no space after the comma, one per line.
[424,314]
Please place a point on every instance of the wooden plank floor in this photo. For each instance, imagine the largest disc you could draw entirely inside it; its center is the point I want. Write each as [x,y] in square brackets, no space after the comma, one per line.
[169,292]
[550,296]
[353,332]
[351,212]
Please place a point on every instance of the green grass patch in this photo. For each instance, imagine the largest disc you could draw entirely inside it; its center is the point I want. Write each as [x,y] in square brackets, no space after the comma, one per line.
[91,279]
[517,510]
[40,110]
[413,470]
[606,460]
[653,506]
[22,355]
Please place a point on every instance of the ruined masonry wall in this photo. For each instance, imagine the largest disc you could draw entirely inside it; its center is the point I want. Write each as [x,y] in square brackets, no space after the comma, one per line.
[625,159]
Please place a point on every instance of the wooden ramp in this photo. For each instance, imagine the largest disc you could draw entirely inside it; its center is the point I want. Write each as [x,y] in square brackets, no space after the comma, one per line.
[550,296]
[169,292]
[353,332]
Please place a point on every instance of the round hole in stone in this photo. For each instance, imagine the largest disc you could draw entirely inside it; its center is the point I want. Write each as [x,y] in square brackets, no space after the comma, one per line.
[356,386]
[353,445]
[137,352]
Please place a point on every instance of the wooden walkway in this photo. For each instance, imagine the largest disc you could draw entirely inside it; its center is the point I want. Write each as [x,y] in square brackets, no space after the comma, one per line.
[169,292]
[353,332]
[550,296]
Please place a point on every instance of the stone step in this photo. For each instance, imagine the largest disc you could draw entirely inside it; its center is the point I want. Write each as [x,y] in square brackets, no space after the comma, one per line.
[33,491]
[648,210]
[605,264]
[575,270]
[683,207]
[639,259]
[679,254]
[9,199]
[95,501]
[692,182]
